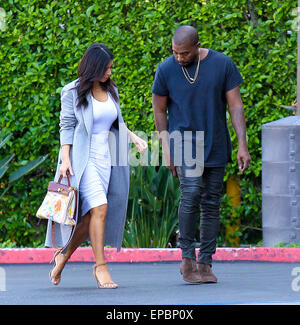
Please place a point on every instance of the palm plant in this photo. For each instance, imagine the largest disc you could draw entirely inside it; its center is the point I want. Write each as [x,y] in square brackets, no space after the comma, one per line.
[152,207]
[21,171]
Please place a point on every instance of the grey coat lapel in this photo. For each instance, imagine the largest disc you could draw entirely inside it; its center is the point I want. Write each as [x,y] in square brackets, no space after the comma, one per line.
[88,114]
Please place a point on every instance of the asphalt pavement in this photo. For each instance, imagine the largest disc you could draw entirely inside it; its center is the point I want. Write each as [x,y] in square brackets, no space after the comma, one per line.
[160,283]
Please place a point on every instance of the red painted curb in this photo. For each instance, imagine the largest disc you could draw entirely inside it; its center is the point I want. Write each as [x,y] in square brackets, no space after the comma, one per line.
[271,254]
[85,254]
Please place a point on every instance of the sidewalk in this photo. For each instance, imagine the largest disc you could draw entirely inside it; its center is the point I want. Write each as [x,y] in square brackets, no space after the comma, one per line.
[246,276]
[85,254]
[155,284]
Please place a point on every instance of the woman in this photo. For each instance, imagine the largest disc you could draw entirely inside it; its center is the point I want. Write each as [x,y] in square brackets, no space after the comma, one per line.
[90,117]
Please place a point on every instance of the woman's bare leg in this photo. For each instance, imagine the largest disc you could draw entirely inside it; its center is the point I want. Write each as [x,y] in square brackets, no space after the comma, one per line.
[96,232]
[80,234]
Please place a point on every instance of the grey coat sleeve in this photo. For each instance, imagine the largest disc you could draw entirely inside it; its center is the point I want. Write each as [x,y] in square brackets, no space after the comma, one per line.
[67,117]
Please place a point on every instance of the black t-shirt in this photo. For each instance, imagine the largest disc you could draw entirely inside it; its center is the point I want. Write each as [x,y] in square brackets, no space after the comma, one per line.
[200,106]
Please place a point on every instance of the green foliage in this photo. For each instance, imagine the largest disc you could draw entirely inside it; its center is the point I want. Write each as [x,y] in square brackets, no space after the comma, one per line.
[15,225]
[41,43]
[26,168]
[152,207]
[282,244]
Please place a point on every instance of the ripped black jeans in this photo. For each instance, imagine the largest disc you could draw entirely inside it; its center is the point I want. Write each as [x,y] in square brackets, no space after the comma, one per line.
[204,191]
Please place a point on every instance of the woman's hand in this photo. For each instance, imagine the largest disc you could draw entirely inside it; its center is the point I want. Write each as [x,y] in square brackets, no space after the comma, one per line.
[66,163]
[66,167]
[139,142]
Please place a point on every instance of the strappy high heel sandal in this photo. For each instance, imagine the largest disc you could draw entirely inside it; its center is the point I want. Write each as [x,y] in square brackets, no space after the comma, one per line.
[107,285]
[58,277]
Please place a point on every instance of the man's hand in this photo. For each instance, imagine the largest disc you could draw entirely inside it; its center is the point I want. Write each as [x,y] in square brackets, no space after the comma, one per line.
[172,169]
[236,110]
[169,162]
[243,158]
[159,104]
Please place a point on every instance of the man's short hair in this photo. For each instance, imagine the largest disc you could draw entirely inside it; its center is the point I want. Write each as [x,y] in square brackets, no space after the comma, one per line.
[185,34]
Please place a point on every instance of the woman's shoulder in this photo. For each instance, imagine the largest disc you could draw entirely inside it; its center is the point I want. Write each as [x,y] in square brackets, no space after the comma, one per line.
[71,85]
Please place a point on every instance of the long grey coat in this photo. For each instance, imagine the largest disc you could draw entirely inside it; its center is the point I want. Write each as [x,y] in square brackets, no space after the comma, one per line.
[75,129]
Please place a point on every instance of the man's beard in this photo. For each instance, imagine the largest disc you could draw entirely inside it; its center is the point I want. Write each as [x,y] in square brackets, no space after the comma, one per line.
[191,62]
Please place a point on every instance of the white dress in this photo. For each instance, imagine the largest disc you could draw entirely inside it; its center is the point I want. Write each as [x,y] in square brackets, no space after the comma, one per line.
[95,179]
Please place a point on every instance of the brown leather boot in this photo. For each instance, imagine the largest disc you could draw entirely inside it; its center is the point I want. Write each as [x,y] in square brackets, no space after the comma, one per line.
[188,269]
[206,273]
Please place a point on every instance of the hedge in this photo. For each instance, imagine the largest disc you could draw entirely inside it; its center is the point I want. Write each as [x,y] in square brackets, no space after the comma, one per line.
[41,43]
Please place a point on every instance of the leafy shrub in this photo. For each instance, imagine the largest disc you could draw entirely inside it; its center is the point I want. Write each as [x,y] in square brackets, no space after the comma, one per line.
[43,41]
[152,207]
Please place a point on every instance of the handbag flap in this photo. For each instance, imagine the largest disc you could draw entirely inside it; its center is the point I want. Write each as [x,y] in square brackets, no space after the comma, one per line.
[60,188]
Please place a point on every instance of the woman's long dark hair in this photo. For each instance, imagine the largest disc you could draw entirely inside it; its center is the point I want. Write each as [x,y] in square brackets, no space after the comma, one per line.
[92,67]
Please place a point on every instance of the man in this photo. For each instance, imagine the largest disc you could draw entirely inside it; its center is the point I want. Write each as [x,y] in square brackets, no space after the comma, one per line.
[193,87]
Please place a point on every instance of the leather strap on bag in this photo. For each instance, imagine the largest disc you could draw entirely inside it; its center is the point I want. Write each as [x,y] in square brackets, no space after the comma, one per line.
[60,178]
[75,212]
[53,234]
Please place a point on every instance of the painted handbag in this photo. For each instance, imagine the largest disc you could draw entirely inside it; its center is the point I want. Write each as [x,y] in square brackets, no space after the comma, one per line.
[59,204]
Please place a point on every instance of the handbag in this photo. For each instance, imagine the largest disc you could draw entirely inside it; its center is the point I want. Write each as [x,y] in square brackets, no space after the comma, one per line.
[60,203]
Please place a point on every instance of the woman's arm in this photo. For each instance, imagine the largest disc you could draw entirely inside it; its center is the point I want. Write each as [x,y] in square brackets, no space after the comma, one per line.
[67,117]
[139,142]
[66,162]
[67,126]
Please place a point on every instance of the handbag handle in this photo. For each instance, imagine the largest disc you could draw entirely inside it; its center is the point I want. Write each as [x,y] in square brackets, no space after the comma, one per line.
[60,178]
